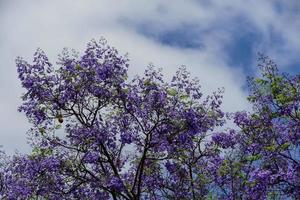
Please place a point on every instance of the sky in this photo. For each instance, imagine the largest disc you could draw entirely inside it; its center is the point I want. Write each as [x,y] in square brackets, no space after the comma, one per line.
[218,41]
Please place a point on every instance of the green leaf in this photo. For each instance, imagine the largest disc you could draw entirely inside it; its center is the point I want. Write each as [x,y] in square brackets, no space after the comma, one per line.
[58,126]
[42,130]
[284,146]
[172,92]
[261,81]
[224,168]
[183,97]
[125,90]
[253,158]
[148,83]
[78,67]
[203,179]
[271,148]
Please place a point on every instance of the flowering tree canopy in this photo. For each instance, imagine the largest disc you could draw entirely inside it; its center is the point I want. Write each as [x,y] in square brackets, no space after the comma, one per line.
[97,135]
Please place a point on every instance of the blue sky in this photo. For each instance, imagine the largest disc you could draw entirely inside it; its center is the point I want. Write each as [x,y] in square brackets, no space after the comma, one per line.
[217,40]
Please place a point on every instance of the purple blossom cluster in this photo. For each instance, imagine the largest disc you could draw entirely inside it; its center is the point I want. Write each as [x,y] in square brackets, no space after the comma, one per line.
[97,135]
[224,140]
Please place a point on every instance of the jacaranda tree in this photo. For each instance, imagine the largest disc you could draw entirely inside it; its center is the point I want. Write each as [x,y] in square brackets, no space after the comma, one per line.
[97,135]
[264,163]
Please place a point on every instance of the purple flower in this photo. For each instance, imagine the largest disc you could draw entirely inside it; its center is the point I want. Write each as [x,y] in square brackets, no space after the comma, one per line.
[225,140]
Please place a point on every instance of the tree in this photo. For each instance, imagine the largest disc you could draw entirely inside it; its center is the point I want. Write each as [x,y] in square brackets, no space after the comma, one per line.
[97,135]
[265,162]
[139,139]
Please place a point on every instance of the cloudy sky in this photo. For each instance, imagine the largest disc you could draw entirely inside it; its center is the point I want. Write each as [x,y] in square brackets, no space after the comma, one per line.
[218,40]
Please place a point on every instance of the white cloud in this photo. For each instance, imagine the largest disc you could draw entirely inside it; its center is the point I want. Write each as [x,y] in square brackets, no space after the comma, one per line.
[52,25]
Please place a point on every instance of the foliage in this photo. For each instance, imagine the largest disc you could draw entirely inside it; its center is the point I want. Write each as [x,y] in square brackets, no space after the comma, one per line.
[97,135]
